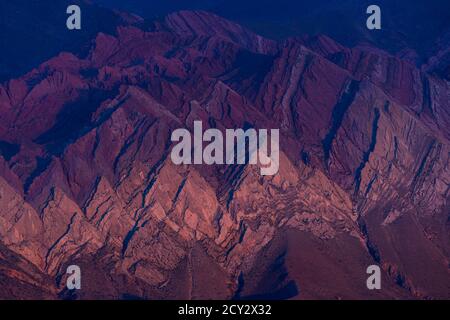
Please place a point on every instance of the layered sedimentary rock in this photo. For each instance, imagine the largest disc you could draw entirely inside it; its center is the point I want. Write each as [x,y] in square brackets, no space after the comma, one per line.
[86,176]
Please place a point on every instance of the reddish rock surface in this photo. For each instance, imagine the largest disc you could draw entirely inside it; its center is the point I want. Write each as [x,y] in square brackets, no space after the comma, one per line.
[86,177]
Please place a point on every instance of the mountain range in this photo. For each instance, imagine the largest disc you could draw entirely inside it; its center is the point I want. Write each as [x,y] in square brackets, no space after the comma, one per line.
[86,176]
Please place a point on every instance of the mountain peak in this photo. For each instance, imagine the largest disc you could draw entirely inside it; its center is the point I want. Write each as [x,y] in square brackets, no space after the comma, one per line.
[206,24]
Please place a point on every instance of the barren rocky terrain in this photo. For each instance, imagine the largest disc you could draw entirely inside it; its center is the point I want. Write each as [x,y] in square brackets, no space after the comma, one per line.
[86,176]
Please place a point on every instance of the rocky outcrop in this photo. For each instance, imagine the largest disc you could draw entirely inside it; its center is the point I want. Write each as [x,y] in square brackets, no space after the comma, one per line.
[364,177]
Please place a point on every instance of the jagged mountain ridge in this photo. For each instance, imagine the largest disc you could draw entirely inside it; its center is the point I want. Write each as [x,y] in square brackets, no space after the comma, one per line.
[26,25]
[410,30]
[86,177]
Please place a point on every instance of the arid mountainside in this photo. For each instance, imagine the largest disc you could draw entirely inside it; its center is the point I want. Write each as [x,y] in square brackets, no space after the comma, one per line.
[86,176]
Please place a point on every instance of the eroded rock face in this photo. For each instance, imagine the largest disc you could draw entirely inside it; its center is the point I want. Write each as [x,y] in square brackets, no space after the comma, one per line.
[364,175]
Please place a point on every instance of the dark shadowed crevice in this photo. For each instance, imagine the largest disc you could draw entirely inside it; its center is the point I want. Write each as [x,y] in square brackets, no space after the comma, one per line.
[371,247]
[427,163]
[129,236]
[75,120]
[41,165]
[427,102]
[366,155]
[339,111]
[8,150]
[69,226]
[180,189]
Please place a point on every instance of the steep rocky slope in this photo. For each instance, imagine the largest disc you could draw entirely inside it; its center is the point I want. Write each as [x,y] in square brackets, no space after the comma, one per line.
[86,177]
